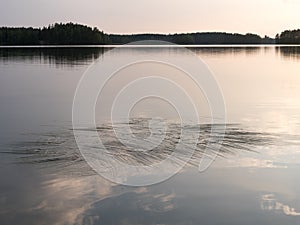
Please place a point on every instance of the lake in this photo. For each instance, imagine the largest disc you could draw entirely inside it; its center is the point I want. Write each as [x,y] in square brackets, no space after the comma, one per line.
[253,178]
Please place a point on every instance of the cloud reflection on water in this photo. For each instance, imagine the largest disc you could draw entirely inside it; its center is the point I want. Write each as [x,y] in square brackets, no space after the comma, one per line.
[270,203]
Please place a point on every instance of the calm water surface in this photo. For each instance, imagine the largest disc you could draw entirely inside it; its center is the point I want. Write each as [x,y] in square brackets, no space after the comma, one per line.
[255,179]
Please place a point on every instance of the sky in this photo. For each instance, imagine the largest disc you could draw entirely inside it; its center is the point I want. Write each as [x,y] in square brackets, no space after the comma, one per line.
[264,17]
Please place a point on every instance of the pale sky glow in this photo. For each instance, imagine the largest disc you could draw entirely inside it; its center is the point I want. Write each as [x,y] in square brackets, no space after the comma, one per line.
[158,16]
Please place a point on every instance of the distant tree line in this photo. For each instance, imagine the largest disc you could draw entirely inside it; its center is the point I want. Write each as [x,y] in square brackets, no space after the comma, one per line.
[76,34]
[288,37]
[216,38]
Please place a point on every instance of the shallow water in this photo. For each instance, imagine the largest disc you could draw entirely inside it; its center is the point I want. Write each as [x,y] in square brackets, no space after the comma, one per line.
[254,179]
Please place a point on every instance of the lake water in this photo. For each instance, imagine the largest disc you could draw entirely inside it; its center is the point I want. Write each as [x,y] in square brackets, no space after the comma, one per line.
[254,179]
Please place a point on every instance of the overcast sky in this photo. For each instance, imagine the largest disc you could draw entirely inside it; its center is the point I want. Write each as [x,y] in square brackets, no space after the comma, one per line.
[157,16]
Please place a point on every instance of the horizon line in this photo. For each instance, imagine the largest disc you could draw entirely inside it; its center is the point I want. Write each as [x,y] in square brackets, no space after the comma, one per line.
[141,33]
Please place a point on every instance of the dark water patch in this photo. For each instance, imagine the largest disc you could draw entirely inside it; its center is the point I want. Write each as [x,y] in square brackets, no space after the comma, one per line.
[289,52]
[59,56]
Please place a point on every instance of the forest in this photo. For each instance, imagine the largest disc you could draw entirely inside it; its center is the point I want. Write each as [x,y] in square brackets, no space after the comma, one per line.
[77,34]
[57,34]
[288,37]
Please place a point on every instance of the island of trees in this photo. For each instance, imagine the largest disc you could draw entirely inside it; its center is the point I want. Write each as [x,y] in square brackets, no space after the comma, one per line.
[77,34]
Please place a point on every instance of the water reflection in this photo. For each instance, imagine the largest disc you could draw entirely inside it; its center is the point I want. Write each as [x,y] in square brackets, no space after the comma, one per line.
[71,56]
[239,50]
[270,203]
[289,52]
[60,56]
[255,179]
[86,55]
